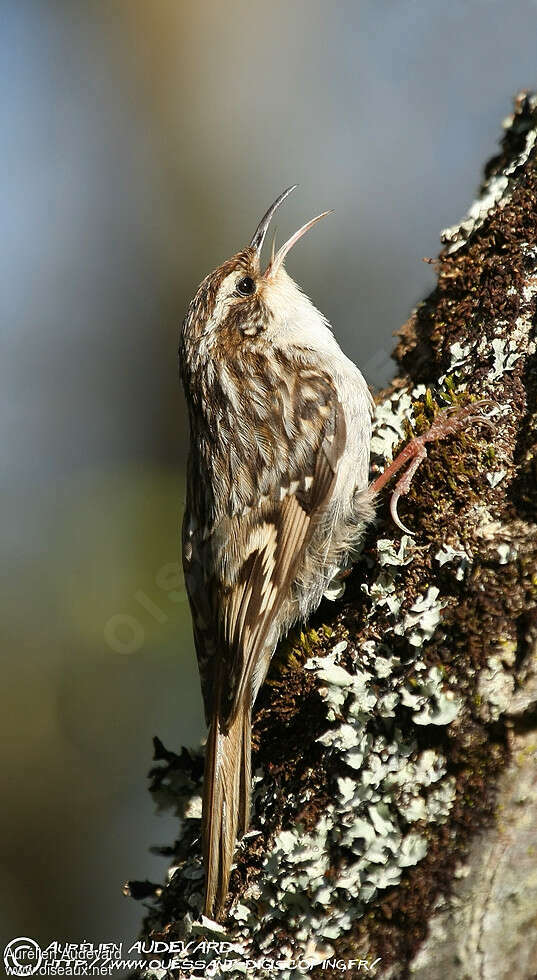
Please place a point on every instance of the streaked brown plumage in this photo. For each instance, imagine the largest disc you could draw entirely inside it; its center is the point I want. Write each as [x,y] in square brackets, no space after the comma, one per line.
[280,426]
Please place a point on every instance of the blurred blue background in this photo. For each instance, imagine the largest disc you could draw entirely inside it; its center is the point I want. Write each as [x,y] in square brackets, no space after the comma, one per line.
[141,144]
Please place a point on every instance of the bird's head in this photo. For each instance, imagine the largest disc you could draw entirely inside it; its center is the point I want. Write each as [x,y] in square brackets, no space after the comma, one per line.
[241,301]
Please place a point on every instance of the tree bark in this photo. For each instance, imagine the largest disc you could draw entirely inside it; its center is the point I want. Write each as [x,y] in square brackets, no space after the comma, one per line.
[395,744]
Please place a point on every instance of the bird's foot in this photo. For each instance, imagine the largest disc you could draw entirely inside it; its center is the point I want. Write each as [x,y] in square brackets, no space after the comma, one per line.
[447,423]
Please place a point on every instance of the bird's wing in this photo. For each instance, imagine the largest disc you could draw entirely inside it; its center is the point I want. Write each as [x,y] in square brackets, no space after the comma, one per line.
[270,539]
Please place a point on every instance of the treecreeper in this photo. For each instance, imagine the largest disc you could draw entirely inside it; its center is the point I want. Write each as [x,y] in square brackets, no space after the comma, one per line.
[278,498]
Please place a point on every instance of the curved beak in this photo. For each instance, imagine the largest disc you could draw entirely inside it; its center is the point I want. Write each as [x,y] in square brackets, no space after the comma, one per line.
[262,228]
[277,260]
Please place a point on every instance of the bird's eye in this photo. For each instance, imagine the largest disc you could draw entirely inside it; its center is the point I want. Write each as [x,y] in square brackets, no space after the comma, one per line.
[246,286]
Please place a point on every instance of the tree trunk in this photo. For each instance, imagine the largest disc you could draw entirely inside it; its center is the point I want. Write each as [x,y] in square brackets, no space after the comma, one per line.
[395,748]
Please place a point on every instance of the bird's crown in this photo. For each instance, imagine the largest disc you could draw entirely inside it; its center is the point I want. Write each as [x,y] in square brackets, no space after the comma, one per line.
[240,299]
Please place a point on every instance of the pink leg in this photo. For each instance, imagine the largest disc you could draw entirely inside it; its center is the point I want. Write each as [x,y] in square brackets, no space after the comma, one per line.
[447,423]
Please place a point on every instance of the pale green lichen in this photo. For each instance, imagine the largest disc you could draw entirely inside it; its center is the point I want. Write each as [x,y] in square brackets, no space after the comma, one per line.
[429,703]
[390,417]
[495,477]
[421,620]
[495,686]
[459,355]
[460,557]
[505,357]
[507,552]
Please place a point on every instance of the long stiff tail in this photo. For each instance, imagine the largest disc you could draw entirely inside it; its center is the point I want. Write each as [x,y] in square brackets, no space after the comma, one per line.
[226,802]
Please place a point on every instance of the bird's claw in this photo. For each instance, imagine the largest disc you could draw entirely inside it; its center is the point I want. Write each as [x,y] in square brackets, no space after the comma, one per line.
[448,422]
[405,482]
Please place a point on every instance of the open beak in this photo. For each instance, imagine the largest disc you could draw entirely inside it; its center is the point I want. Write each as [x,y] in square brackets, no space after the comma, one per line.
[259,237]
[277,260]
